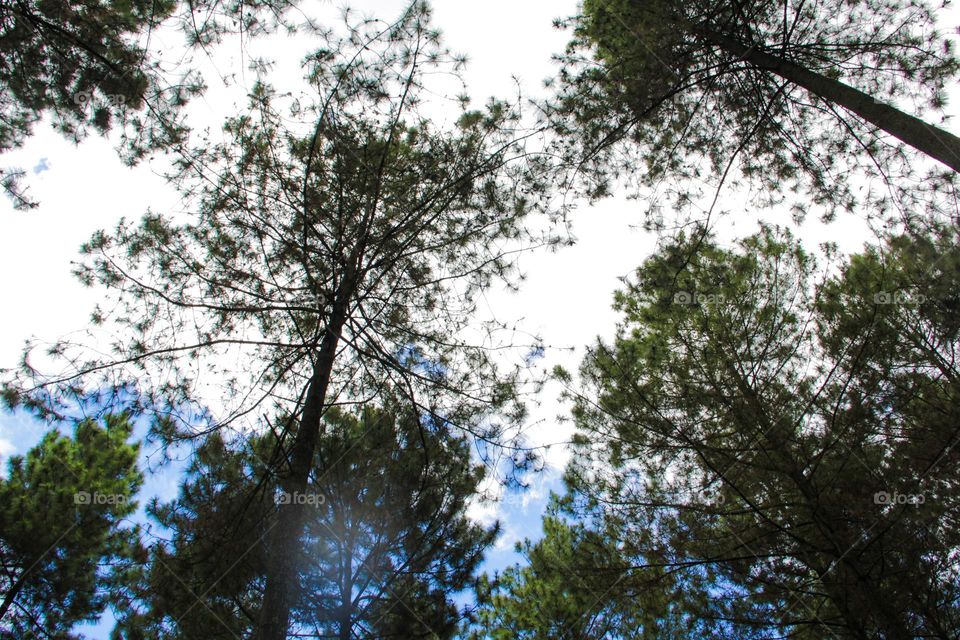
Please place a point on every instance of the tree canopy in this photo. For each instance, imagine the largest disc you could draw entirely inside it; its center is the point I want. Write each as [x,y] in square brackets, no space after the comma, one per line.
[339,258]
[766,447]
[796,436]
[64,550]
[576,582]
[91,64]
[783,96]
[388,542]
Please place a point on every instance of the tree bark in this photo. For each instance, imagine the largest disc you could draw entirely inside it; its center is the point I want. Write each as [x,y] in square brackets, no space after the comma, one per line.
[282,569]
[12,593]
[926,138]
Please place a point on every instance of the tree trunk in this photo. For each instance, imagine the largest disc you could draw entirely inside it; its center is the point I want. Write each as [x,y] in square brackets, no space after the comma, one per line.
[346,587]
[13,592]
[926,138]
[282,553]
[346,628]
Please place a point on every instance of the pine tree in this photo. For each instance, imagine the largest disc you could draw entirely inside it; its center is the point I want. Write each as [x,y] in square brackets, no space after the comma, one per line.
[63,547]
[798,438]
[387,544]
[328,259]
[784,96]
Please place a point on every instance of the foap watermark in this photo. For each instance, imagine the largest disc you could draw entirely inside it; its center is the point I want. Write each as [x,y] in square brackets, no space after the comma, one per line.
[708,496]
[83,98]
[885,498]
[686,297]
[86,497]
[899,297]
[311,499]
[318,301]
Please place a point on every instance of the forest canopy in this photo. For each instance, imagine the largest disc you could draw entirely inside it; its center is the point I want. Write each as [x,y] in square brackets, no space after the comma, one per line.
[309,403]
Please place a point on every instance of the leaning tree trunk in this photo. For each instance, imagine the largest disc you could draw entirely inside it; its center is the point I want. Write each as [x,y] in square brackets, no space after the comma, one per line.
[282,552]
[926,138]
[14,591]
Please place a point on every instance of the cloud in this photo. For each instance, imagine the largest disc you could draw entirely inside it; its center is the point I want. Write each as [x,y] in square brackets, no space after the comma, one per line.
[6,449]
[43,165]
[510,535]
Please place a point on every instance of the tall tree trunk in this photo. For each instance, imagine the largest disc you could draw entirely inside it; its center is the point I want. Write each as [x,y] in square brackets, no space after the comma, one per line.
[926,138]
[345,621]
[345,615]
[284,544]
[13,592]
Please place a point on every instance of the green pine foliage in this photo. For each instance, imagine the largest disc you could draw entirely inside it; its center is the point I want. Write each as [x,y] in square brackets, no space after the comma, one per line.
[66,551]
[792,430]
[387,545]
[766,448]
[88,65]
[789,99]
[576,583]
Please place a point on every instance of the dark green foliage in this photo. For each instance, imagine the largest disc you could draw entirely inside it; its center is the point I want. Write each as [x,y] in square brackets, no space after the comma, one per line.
[387,540]
[741,443]
[201,577]
[576,583]
[63,551]
[88,64]
[763,425]
[361,219]
[339,243]
[396,489]
[751,91]
[75,60]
